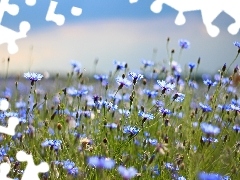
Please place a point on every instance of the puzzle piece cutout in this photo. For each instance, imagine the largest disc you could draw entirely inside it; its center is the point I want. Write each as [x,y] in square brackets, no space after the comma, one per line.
[4,104]
[133,1]
[8,35]
[12,9]
[59,19]
[4,170]
[10,129]
[30,2]
[209,10]
[76,11]
[31,170]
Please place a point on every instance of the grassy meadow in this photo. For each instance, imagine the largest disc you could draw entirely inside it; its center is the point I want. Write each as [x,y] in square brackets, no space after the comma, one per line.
[161,122]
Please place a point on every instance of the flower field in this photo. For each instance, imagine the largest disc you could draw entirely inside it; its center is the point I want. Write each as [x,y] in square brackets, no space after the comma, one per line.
[160,122]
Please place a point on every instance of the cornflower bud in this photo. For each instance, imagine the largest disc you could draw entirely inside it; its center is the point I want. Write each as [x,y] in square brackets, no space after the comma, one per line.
[199,60]
[224,67]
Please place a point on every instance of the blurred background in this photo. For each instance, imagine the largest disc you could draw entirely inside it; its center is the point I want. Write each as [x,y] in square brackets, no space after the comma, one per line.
[110,30]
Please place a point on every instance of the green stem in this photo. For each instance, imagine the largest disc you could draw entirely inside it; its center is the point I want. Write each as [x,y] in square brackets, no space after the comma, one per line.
[233,61]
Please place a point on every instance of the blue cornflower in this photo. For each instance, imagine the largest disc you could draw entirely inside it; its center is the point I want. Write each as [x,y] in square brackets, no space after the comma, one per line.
[191,66]
[33,76]
[146,116]
[184,44]
[116,97]
[150,94]
[20,104]
[3,152]
[235,102]
[153,142]
[164,111]
[236,128]
[110,105]
[155,171]
[22,120]
[211,176]
[7,93]
[101,162]
[193,84]
[130,130]
[237,44]
[225,107]
[71,91]
[165,86]
[84,113]
[135,77]
[231,89]
[179,97]
[51,131]
[181,178]
[73,171]
[205,108]
[146,134]
[171,167]
[11,114]
[111,125]
[120,65]
[69,166]
[209,129]
[101,78]
[82,92]
[74,92]
[147,63]
[235,107]
[124,112]
[158,103]
[209,139]
[76,65]
[123,82]
[127,173]
[55,144]
[17,136]
[209,83]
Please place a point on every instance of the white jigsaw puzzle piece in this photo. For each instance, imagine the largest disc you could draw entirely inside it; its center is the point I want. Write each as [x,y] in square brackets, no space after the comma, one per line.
[133,1]
[76,11]
[12,9]
[31,171]
[30,2]
[59,19]
[10,129]
[4,104]
[4,170]
[209,10]
[9,36]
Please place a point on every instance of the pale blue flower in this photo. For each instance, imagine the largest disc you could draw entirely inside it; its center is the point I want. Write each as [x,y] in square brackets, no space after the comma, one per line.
[33,76]
[127,173]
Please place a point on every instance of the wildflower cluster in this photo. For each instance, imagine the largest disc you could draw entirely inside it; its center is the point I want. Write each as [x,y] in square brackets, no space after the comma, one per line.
[157,122]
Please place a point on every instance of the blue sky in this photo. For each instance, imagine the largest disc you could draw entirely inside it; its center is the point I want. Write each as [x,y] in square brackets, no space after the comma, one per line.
[92,10]
[113,29]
